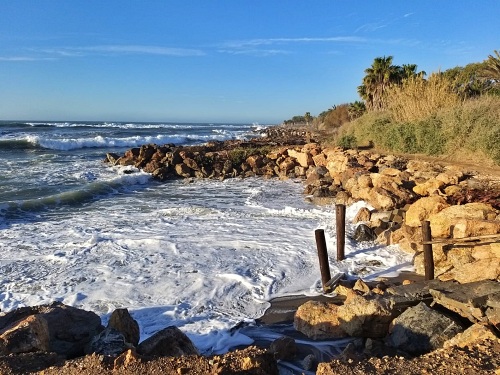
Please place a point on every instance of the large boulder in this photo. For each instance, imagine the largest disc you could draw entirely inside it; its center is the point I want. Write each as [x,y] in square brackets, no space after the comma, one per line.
[365,317]
[423,208]
[170,342]
[420,330]
[26,335]
[442,222]
[70,328]
[318,320]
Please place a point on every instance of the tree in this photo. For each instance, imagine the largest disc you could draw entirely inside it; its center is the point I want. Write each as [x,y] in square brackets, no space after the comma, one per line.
[491,68]
[378,77]
[308,117]
[410,71]
[356,109]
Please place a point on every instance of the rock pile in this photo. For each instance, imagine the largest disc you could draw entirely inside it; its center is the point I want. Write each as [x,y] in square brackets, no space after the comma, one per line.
[58,332]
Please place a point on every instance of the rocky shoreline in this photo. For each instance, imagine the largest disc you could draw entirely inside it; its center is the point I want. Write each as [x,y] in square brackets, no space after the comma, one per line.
[385,318]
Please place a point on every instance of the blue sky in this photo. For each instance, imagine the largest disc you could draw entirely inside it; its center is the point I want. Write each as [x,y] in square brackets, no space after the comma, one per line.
[220,60]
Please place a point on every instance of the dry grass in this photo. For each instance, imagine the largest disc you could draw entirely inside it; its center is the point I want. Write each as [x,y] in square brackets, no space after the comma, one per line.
[417,98]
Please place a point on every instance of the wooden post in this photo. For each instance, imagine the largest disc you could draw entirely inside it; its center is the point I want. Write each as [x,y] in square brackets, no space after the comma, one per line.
[324,265]
[340,225]
[428,256]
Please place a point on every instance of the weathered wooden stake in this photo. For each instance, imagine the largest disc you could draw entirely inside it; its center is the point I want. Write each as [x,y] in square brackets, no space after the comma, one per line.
[428,256]
[340,224]
[324,265]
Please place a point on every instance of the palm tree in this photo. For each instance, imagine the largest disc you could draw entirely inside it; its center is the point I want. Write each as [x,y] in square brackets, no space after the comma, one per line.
[356,109]
[410,71]
[491,70]
[378,77]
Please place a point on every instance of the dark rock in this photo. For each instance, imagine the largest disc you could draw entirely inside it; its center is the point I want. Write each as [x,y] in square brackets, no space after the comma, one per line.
[26,335]
[364,233]
[70,328]
[283,348]
[420,330]
[109,342]
[171,342]
[122,321]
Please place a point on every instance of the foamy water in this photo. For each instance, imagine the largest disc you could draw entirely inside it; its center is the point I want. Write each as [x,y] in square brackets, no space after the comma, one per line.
[202,256]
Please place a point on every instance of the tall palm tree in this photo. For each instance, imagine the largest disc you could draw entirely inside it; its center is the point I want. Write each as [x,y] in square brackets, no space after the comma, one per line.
[410,71]
[378,77]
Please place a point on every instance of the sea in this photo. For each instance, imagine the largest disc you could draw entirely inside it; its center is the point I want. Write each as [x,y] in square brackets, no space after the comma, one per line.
[203,255]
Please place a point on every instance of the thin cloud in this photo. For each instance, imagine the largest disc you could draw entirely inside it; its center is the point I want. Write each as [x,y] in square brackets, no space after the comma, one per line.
[23,58]
[122,50]
[271,41]
[255,52]
[145,50]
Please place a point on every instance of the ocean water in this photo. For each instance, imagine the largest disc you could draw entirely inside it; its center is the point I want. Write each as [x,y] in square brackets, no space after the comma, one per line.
[202,255]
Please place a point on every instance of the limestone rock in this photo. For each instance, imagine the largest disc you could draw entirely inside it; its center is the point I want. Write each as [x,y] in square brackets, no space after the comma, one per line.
[363,215]
[361,286]
[442,221]
[303,158]
[422,208]
[122,321]
[318,320]
[26,335]
[171,342]
[420,330]
[429,187]
[476,332]
[363,317]
[472,227]
[483,269]
[125,359]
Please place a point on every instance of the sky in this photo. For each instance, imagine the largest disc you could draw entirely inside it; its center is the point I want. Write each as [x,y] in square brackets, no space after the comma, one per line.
[220,60]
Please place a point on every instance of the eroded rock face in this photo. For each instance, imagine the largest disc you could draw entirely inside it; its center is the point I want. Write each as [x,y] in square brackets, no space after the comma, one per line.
[171,342]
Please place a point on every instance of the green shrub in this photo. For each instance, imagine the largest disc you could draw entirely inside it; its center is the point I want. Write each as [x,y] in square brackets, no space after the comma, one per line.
[347,141]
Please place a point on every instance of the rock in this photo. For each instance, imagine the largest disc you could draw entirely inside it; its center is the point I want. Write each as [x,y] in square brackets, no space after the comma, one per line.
[70,328]
[183,170]
[361,286]
[363,317]
[122,321]
[420,329]
[171,342]
[283,348]
[363,215]
[303,158]
[423,208]
[482,269]
[468,300]
[473,334]
[309,363]
[318,320]
[429,187]
[472,227]
[125,359]
[442,221]
[363,233]
[109,342]
[26,335]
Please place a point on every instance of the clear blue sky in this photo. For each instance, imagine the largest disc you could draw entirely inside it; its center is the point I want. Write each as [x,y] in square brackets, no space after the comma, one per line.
[220,60]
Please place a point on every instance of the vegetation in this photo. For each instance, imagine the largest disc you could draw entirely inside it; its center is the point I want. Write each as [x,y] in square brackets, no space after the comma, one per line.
[452,113]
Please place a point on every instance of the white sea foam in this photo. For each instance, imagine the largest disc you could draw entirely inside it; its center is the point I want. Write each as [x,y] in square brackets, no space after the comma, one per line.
[201,256]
